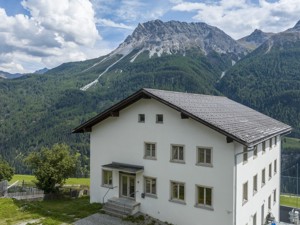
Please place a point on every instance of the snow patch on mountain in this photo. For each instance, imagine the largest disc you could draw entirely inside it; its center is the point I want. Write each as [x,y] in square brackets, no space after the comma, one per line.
[86,87]
[96,64]
[136,55]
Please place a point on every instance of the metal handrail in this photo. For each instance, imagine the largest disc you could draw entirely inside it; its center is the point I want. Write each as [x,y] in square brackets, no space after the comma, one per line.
[109,188]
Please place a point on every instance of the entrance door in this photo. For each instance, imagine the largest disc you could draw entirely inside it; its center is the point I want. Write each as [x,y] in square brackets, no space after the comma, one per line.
[262,214]
[127,186]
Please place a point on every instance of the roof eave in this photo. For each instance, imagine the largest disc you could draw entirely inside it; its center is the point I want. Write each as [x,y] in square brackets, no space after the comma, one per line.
[87,126]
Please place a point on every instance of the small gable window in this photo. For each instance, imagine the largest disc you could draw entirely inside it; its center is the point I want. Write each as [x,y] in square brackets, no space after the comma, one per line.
[159,118]
[141,118]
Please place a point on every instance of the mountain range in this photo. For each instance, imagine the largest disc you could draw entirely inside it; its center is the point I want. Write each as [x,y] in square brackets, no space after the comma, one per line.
[261,70]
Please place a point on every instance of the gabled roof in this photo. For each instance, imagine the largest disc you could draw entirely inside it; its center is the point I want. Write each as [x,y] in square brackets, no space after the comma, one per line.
[234,120]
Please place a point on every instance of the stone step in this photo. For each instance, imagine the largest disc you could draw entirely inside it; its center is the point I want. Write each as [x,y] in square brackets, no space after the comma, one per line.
[114,213]
[117,208]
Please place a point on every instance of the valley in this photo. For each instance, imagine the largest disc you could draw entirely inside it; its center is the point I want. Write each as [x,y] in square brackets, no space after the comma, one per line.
[42,109]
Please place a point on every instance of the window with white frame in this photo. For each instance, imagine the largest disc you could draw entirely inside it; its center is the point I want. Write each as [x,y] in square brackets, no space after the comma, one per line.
[270,143]
[274,196]
[275,140]
[204,196]
[270,171]
[254,184]
[159,118]
[255,152]
[177,191]
[150,150]
[275,166]
[204,156]
[177,153]
[107,178]
[269,202]
[263,147]
[141,118]
[245,155]
[150,186]
[263,177]
[245,192]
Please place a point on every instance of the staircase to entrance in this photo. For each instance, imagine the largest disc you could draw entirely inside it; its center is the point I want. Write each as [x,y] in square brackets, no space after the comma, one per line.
[121,207]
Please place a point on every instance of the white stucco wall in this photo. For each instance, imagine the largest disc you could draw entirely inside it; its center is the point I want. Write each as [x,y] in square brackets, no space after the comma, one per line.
[121,139]
[246,171]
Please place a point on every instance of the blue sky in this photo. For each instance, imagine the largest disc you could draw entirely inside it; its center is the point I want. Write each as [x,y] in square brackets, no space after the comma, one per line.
[35,34]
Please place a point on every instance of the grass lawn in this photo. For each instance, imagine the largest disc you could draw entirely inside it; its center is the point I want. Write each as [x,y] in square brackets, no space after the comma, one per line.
[291,201]
[48,212]
[30,178]
[291,144]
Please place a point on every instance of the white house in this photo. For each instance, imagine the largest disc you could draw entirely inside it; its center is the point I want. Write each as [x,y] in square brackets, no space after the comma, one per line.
[187,159]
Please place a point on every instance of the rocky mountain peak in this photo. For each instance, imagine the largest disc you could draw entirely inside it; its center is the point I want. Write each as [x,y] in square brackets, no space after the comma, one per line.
[297,26]
[255,39]
[174,37]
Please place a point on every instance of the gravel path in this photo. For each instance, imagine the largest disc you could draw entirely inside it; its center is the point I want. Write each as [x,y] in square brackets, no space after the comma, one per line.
[102,219]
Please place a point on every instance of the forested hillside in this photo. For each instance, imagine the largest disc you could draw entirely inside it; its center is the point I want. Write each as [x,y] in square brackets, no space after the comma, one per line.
[268,79]
[40,110]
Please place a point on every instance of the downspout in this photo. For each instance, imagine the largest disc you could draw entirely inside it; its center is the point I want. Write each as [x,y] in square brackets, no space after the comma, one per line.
[235,175]
[279,168]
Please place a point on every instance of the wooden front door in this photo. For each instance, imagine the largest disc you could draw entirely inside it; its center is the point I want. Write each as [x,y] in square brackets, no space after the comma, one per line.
[127,187]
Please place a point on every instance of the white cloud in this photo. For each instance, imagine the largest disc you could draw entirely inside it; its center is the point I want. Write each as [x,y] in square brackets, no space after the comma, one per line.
[110,23]
[55,31]
[239,18]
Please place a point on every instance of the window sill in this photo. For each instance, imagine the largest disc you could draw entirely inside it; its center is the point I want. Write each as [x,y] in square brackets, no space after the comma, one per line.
[150,195]
[178,201]
[263,184]
[204,164]
[210,208]
[177,161]
[107,186]
[244,202]
[150,158]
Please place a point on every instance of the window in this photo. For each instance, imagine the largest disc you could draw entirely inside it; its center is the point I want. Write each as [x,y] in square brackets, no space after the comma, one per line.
[150,151]
[270,171]
[141,118]
[159,118]
[263,148]
[269,202]
[255,152]
[275,166]
[245,192]
[270,143]
[204,197]
[263,177]
[177,191]
[275,141]
[245,155]
[254,184]
[254,219]
[150,186]
[107,178]
[204,156]
[177,153]
[274,196]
